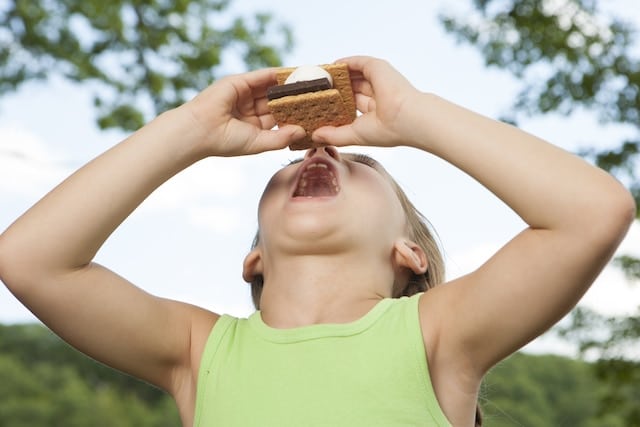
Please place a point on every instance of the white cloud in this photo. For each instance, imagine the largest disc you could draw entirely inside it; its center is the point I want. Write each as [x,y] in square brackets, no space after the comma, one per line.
[12,311]
[218,219]
[27,165]
[611,293]
[212,177]
[469,260]
[210,196]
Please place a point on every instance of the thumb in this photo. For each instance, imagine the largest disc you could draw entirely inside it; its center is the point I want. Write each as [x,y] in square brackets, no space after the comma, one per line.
[336,136]
[280,138]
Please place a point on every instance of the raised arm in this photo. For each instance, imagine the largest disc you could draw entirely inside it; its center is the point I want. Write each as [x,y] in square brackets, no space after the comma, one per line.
[577,215]
[46,255]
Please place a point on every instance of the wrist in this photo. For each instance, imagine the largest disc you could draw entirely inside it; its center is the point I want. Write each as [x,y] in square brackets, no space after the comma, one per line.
[418,121]
[183,134]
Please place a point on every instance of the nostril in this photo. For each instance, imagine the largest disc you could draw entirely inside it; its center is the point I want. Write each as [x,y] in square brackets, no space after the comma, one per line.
[310,153]
[331,151]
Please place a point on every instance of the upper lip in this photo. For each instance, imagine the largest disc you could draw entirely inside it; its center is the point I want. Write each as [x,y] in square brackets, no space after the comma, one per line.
[311,161]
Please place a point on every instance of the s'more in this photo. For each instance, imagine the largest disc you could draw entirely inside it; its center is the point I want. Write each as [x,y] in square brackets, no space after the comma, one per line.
[312,97]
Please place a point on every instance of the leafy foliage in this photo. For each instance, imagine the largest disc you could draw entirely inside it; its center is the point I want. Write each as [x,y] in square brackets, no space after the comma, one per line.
[47,383]
[569,55]
[141,57]
[614,340]
[540,391]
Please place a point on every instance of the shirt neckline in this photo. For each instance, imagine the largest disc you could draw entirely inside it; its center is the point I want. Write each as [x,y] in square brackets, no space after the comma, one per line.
[310,332]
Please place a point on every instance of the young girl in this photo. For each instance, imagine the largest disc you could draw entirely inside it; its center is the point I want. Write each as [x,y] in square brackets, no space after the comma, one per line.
[337,243]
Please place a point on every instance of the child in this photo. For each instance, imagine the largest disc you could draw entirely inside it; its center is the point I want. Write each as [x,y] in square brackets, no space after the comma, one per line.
[336,240]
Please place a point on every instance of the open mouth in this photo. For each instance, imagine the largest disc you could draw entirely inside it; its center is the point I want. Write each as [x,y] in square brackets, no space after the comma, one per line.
[317,179]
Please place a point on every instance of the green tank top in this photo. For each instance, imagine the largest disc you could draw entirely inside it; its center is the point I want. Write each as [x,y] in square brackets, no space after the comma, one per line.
[370,372]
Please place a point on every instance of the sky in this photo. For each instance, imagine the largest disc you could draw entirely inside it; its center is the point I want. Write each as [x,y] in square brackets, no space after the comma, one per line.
[188,240]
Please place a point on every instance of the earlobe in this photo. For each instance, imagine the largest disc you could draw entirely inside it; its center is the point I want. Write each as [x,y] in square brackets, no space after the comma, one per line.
[410,255]
[252,265]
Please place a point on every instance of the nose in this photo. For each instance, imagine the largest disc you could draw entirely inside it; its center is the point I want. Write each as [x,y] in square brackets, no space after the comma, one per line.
[321,151]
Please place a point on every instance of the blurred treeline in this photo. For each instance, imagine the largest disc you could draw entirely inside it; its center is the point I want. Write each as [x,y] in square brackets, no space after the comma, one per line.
[547,390]
[44,382]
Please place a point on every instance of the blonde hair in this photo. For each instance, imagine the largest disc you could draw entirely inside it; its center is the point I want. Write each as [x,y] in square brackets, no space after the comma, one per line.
[419,229]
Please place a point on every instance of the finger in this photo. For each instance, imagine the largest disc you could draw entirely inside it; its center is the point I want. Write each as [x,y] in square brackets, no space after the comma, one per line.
[266,121]
[356,63]
[250,109]
[336,136]
[362,86]
[250,86]
[267,140]
[364,103]
[360,65]
[378,73]
[261,106]
[260,80]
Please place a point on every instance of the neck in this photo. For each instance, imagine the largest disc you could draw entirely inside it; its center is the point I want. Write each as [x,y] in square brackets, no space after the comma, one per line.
[307,290]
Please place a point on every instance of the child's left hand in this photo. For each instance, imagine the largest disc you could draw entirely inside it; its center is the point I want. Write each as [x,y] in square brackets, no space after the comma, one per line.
[233,119]
[384,97]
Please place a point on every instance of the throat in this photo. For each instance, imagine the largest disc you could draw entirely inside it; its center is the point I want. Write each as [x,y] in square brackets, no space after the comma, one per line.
[318,182]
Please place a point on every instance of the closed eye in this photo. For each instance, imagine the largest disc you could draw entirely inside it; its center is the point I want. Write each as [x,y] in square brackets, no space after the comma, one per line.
[354,157]
[364,159]
[293,162]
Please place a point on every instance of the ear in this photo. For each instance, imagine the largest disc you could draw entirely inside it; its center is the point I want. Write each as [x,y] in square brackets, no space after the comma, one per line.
[252,265]
[410,255]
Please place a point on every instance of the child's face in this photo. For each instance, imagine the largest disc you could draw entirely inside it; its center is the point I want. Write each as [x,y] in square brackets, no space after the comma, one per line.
[329,202]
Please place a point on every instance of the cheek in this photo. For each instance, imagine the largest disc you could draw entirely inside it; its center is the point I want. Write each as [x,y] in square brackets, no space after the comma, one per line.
[276,188]
[378,191]
[379,208]
[267,209]
[383,212]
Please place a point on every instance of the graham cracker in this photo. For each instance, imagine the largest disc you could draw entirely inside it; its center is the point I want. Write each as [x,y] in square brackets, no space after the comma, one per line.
[333,107]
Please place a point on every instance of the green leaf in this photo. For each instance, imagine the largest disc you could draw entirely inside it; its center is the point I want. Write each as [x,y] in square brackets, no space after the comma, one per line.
[151,55]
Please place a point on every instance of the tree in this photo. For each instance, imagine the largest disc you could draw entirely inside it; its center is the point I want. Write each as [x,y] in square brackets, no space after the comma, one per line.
[47,394]
[47,383]
[33,345]
[612,338]
[569,56]
[528,390]
[139,57]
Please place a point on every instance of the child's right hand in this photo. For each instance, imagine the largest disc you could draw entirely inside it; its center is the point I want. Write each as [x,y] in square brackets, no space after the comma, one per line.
[232,118]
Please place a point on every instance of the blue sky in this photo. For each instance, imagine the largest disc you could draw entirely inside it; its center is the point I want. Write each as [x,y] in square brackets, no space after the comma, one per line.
[187,241]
